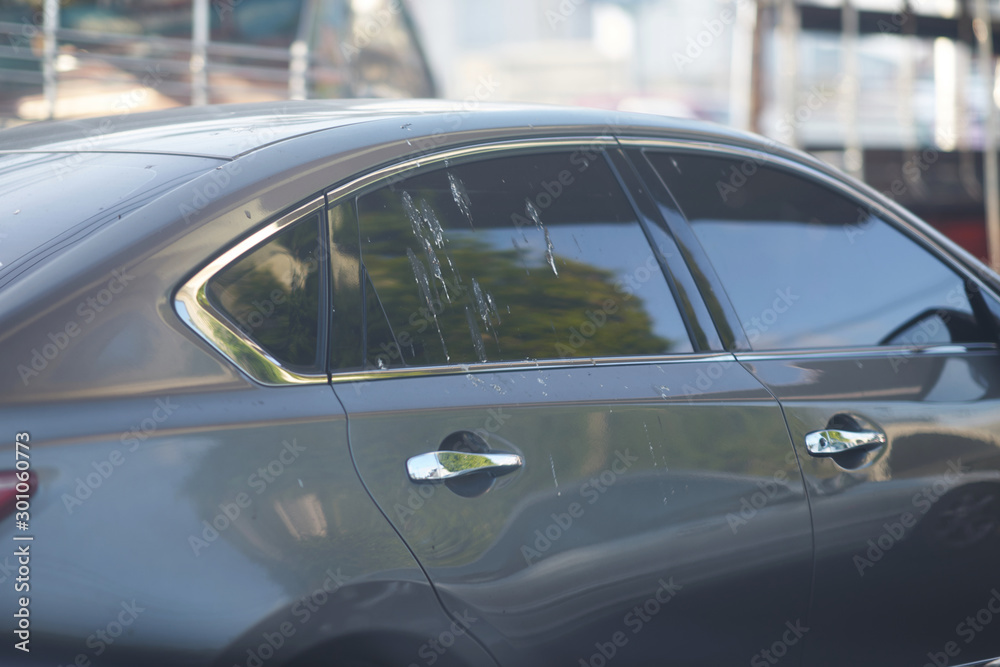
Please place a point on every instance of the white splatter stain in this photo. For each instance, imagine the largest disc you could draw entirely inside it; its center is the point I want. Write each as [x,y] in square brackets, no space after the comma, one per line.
[423,284]
[554,478]
[461,197]
[477,338]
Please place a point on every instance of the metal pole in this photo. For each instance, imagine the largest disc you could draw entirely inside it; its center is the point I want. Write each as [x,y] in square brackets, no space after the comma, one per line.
[907,82]
[788,27]
[741,70]
[199,52]
[983,26]
[298,53]
[298,65]
[757,94]
[854,161]
[50,24]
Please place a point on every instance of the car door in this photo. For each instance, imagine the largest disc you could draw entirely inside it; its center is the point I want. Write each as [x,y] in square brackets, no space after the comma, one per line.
[579,480]
[883,355]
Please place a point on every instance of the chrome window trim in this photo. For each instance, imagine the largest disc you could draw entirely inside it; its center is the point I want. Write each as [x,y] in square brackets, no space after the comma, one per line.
[940,349]
[196,310]
[542,364]
[352,187]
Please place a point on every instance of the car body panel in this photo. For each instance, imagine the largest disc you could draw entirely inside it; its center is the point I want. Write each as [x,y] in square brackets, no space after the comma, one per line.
[914,530]
[715,502]
[213,529]
[631,480]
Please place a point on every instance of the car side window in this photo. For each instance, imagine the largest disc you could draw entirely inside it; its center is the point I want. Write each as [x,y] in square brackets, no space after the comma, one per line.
[806,267]
[510,259]
[272,294]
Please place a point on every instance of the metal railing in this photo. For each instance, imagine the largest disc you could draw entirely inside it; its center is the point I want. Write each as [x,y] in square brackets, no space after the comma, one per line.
[43,64]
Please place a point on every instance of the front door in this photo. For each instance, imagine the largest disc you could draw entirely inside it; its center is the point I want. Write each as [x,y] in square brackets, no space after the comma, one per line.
[884,360]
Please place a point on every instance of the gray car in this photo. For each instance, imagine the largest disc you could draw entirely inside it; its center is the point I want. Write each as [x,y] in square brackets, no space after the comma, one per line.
[373,383]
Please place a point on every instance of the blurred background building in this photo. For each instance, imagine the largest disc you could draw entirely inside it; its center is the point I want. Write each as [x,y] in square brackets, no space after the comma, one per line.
[71,58]
[897,92]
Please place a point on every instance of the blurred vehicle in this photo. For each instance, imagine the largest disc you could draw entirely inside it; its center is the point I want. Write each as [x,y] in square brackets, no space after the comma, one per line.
[374,383]
[117,57]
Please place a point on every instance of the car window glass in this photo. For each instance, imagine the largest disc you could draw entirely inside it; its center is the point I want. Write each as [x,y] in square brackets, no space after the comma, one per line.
[509,259]
[805,267]
[272,294]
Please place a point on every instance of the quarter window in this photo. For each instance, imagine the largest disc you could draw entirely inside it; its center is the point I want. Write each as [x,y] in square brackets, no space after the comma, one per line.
[272,294]
[511,259]
[805,267]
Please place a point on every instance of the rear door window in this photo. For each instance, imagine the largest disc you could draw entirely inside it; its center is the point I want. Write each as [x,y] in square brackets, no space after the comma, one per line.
[510,259]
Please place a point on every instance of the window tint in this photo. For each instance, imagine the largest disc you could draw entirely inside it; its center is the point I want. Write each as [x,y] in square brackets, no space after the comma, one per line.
[273,294]
[508,259]
[805,267]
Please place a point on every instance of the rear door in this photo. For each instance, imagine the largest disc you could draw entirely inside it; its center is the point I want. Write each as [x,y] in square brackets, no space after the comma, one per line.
[884,359]
[580,481]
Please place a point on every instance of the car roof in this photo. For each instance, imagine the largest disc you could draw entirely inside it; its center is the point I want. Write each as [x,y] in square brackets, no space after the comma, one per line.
[229,131]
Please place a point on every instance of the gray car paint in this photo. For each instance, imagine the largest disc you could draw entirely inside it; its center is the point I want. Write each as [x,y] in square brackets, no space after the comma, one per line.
[130,540]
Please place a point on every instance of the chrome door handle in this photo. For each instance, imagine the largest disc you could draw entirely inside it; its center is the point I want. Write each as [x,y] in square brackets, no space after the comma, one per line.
[831,441]
[435,466]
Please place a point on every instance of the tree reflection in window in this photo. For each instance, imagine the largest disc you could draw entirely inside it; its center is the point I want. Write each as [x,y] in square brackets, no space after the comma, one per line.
[510,259]
[272,294]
